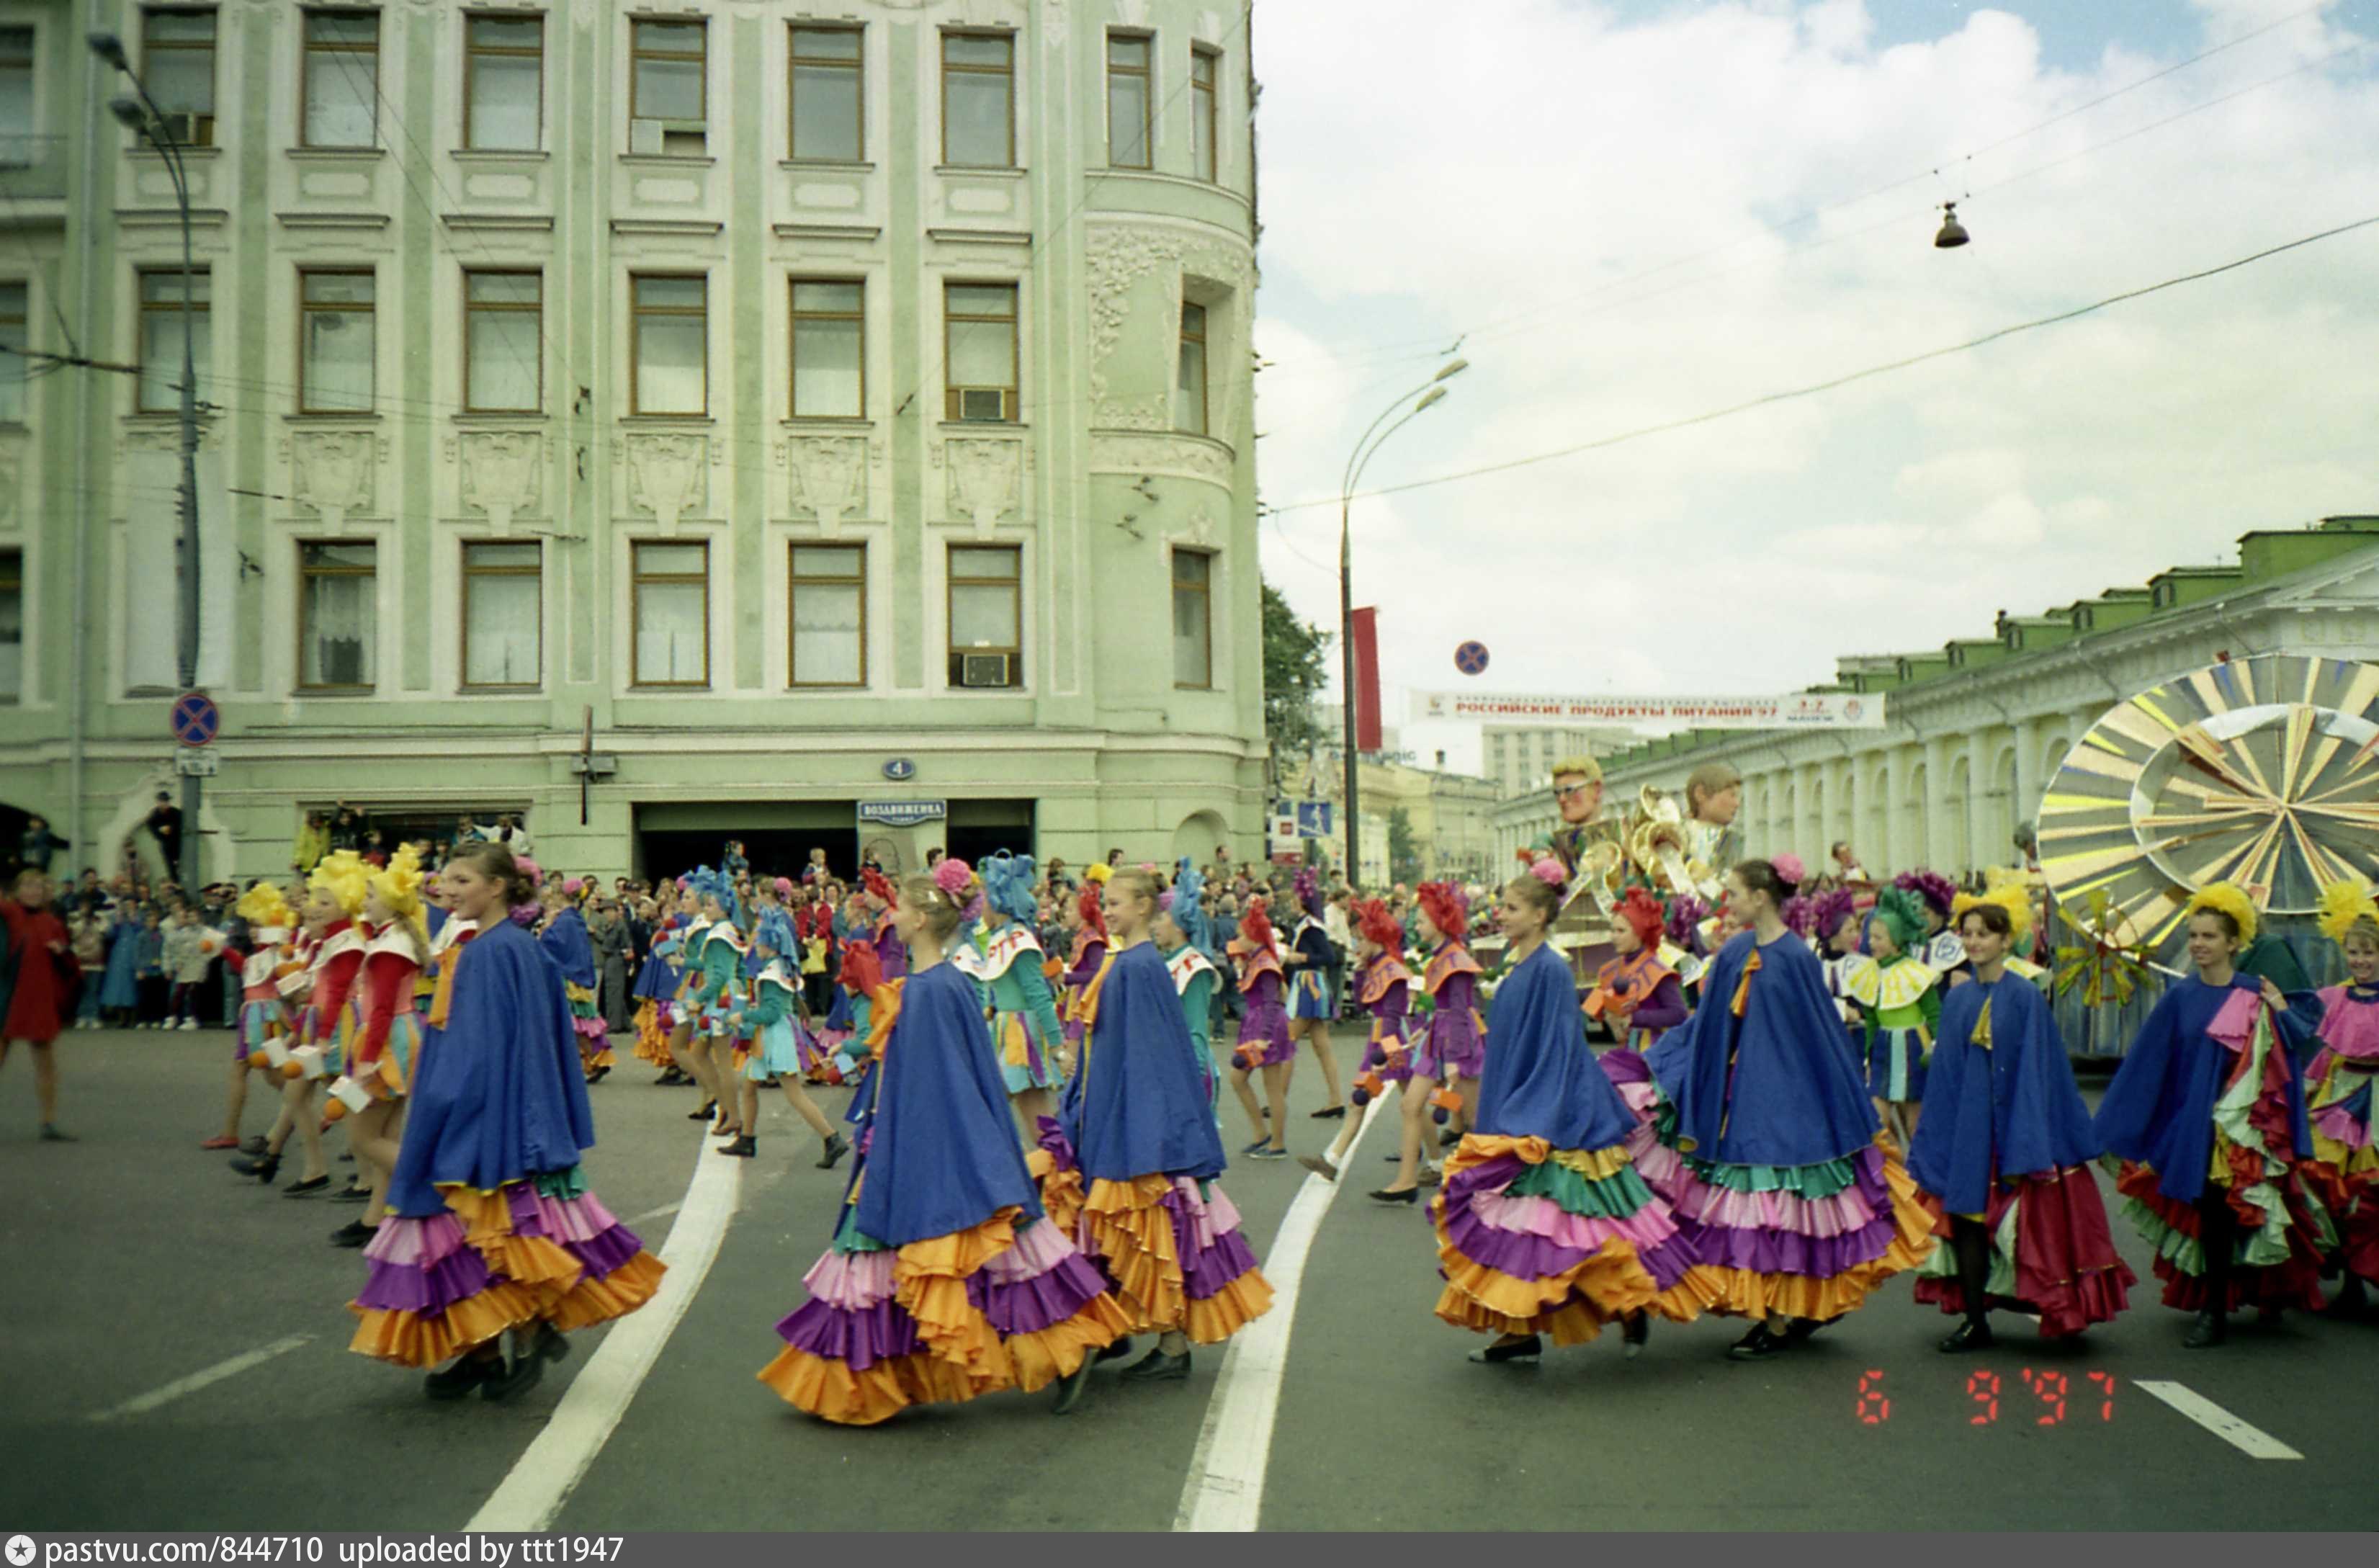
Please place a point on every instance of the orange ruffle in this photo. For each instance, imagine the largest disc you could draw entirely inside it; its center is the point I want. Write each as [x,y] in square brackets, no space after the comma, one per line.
[1133,1236]
[1042,1357]
[1229,1309]
[831,1391]
[538,1265]
[1571,1305]
[616,1295]
[410,1339]
[1061,1192]
[929,1281]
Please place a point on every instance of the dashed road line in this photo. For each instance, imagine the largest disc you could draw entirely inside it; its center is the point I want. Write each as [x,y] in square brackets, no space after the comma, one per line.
[197,1380]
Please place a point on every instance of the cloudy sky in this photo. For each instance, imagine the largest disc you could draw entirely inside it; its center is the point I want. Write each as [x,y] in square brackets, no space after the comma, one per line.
[1626,212]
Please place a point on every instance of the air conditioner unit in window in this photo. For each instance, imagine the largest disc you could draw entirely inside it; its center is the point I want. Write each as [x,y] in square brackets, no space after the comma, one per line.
[986,405]
[644,137]
[986,669]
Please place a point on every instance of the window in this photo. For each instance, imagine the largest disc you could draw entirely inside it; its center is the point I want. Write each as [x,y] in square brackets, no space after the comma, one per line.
[503,83]
[979,100]
[503,615]
[1189,382]
[503,355]
[1194,624]
[979,348]
[336,616]
[829,616]
[12,365]
[829,350]
[668,88]
[12,626]
[672,373]
[1205,77]
[987,612]
[335,341]
[830,100]
[161,337]
[342,78]
[15,82]
[1128,100]
[177,61]
[671,587]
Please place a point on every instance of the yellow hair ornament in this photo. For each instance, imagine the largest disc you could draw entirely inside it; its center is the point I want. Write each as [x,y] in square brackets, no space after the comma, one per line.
[2229,898]
[1098,871]
[399,885]
[2009,896]
[2347,907]
[346,876]
[263,906]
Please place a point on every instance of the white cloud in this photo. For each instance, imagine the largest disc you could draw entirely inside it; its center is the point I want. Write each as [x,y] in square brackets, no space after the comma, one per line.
[1609,211]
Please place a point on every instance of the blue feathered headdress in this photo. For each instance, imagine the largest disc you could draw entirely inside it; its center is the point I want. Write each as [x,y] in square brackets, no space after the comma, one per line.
[1187,903]
[1007,884]
[708,883]
[776,931]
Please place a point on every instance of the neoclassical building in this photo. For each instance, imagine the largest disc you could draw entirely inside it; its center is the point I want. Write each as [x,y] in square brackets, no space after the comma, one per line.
[1979,726]
[819,422]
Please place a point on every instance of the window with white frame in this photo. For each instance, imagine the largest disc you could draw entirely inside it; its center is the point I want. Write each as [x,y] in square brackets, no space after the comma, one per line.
[671,616]
[337,340]
[342,78]
[337,615]
[503,83]
[503,613]
[828,588]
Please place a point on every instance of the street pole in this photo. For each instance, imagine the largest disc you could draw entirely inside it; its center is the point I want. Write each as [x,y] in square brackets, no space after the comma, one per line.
[148,122]
[1428,392]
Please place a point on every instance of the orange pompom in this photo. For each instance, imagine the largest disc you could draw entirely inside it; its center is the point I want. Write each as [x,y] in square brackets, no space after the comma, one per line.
[293,1070]
[336,1111]
[258,1059]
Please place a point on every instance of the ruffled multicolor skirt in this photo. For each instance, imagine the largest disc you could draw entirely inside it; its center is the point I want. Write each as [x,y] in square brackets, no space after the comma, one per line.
[2052,1254]
[1264,1036]
[1170,1248]
[260,1019]
[1537,1240]
[940,1321]
[1025,1059]
[655,1020]
[1802,1241]
[543,1249]
[2338,1090]
[586,1022]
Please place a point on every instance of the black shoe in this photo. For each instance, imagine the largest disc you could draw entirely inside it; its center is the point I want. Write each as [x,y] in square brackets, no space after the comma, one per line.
[552,1344]
[50,1134]
[520,1374]
[263,1167]
[459,1380]
[305,1189]
[1800,1331]
[2212,1329]
[1409,1194]
[1528,1349]
[1968,1335]
[703,1115]
[742,1148]
[1158,1367]
[355,1232]
[1757,1346]
[837,1146]
[1071,1388]
[598,1075]
[1448,1138]
[352,1194]
[347,1159]
[1634,1332]
[1116,1351]
[1334,1113]
[253,1146]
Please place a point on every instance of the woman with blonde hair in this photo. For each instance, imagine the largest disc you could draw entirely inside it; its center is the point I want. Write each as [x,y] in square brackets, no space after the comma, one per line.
[382,1033]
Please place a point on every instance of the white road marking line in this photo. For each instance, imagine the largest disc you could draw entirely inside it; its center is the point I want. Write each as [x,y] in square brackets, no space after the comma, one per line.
[663,1213]
[2253,1441]
[1224,1492]
[553,1466]
[197,1380]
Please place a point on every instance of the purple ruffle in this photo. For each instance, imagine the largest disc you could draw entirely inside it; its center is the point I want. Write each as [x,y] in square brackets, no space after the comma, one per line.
[1030,1305]
[425,1289]
[1206,1274]
[858,1339]
[1787,1252]
[605,1252]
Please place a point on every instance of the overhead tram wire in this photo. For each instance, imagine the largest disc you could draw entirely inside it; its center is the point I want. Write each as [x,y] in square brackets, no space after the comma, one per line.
[1530,312]
[1812,390]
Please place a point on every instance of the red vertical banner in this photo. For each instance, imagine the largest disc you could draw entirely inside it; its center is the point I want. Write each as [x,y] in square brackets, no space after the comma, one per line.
[1365,629]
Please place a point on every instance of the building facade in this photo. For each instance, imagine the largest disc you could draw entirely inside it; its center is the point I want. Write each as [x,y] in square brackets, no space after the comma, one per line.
[669,422]
[1520,760]
[1978,728]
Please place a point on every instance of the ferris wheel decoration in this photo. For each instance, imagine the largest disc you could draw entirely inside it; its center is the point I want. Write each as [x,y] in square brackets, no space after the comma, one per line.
[2263,771]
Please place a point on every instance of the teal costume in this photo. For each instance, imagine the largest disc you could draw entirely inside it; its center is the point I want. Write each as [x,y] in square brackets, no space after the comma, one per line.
[1006,967]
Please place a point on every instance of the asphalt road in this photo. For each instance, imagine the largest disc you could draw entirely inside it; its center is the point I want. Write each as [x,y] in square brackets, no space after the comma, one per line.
[132,1262]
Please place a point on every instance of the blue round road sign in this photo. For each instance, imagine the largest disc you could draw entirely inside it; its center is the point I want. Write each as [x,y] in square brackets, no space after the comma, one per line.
[1471,659]
[196,718]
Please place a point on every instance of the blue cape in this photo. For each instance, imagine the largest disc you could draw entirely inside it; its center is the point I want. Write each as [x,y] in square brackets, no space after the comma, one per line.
[1798,1095]
[2159,1110]
[436,917]
[2010,1110]
[1137,1106]
[499,1096]
[1541,1079]
[945,1156]
[565,943]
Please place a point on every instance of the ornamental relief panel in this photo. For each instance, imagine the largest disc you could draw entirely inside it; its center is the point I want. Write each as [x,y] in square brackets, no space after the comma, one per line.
[502,472]
[335,472]
[987,479]
[1119,256]
[665,473]
[826,476]
[1181,456]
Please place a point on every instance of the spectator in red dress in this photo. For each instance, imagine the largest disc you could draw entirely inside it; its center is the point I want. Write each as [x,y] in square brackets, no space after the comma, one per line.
[40,970]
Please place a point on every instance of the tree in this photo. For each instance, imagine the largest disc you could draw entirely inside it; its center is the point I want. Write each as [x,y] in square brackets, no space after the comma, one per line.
[1404,851]
[1295,670]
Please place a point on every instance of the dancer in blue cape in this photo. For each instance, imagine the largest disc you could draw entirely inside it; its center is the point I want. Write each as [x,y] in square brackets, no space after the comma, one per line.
[491,1224]
[944,1281]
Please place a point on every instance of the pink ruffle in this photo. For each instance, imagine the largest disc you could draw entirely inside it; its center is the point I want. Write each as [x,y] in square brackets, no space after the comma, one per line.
[1845,1213]
[2348,1028]
[2234,1023]
[1536,1215]
[1211,1219]
[417,1244]
[2335,1122]
[1040,1247]
[852,1282]
[579,1218]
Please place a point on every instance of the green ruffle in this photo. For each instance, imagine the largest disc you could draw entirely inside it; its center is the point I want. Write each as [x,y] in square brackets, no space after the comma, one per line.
[848,1238]
[1811,1183]
[1612,1197]
[560,1186]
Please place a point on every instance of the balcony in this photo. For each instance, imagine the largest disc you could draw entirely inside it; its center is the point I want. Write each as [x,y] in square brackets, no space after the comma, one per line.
[33,179]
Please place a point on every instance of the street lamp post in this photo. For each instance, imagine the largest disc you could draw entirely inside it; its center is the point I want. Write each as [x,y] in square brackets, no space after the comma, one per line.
[1427,393]
[140,114]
